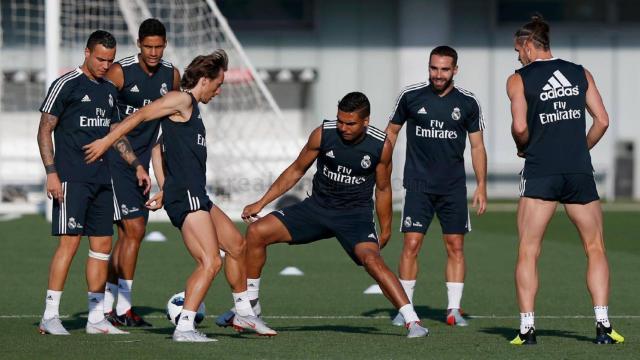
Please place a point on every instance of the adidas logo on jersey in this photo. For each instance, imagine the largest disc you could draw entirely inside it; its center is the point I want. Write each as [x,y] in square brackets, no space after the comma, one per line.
[422,110]
[86,98]
[135,89]
[330,154]
[558,86]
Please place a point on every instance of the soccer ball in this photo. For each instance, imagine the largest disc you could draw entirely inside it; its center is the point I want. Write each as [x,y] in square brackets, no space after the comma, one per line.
[174,307]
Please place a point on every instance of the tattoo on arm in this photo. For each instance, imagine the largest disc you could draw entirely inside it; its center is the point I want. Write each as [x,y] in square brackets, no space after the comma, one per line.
[126,151]
[48,123]
[50,169]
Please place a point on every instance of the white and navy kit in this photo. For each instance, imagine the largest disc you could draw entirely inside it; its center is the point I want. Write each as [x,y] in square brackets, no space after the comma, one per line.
[184,147]
[139,89]
[85,109]
[341,203]
[434,176]
[557,161]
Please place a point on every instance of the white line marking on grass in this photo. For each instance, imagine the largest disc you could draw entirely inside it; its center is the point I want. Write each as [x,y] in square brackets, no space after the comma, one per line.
[357,317]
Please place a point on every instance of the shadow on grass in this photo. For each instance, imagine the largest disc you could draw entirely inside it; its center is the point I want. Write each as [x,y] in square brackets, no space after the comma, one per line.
[370,330]
[424,313]
[79,320]
[509,333]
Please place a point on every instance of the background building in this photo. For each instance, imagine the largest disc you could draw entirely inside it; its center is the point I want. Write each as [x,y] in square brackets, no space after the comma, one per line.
[310,53]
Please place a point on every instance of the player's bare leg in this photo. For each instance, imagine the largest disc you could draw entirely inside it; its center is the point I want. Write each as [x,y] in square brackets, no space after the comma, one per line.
[58,271]
[455,269]
[235,246]
[588,220]
[125,257]
[61,261]
[532,218]
[454,275]
[96,271]
[260,234]
[408,267]
[199,235]
[368,253]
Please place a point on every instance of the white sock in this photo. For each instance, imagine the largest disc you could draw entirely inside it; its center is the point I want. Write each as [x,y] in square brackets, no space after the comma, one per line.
[186,320]
[602,315]
[526,321]
[409,313]
[242,304]
[454,294]
[253,290]
[110,294]
[408,286]
[124,296]
[96,307]
[52,304]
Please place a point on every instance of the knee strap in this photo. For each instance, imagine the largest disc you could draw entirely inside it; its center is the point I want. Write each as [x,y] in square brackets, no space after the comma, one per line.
[99,256]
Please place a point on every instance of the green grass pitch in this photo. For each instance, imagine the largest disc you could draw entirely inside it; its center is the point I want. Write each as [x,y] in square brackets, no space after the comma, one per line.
[324,314]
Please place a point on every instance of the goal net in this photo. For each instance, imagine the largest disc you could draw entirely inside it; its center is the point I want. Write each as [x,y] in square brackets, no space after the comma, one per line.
[248,142]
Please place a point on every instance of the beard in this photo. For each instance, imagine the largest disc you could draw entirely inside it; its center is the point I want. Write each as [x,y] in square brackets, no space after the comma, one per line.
[440,89]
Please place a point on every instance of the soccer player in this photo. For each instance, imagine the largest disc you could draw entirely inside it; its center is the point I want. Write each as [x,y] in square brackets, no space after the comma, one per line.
[548,98]
[78,109]
[202,224]
[352,158]
[140,79]
[439,115]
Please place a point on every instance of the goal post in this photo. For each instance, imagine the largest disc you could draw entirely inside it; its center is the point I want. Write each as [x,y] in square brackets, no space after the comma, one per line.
[248,142]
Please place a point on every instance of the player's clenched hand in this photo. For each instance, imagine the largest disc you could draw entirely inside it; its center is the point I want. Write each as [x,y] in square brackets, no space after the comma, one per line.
[95,150]
[250,212]
[54,187]
[480,200]
[143,179]
[155,202]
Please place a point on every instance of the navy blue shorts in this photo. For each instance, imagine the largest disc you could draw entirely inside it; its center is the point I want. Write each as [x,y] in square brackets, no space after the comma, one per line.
[87,209]
[179,201]
[565,188]
[129,198]
[308,222]
[420,207]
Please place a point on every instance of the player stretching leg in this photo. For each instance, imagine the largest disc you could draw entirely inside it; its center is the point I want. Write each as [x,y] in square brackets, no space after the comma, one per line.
[548,98]
[352,158]
[439,115]
[77,110]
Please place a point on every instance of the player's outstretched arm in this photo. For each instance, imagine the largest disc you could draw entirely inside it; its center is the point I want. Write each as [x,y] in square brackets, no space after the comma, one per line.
[48,123]
[519,128]
[174,102]
[598,112]
[384,209]
[479,161]
[392,131]
[289,177]
[156,201]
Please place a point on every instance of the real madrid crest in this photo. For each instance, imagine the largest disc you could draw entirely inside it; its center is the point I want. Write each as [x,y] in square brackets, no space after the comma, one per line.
[110,100]
[163,89]
[407,221]
[366,162]
[72,223]
[455,115]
